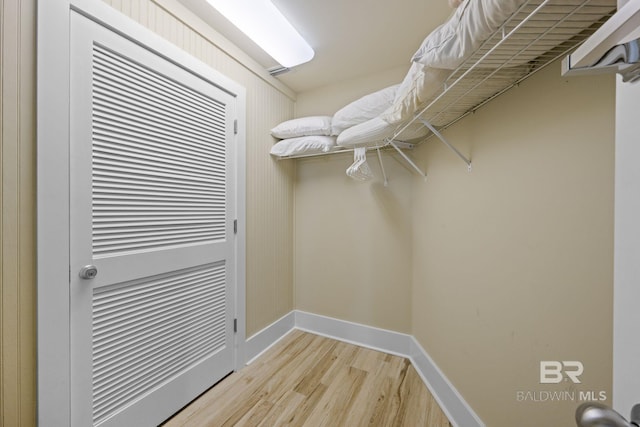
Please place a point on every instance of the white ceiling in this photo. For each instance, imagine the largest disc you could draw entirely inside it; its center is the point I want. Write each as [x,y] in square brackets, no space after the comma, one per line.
[351,38]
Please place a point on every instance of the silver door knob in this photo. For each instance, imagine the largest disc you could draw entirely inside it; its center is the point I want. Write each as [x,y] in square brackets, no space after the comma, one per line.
[595,414]
[88,272]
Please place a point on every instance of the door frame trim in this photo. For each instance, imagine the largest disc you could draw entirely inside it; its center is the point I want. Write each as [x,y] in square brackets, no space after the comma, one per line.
[53,258]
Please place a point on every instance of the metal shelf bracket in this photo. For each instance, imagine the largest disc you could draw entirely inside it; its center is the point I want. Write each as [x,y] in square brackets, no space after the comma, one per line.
[408,160]
[384,174]
[447,143]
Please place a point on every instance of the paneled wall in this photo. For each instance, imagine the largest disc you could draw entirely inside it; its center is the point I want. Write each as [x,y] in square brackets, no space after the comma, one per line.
[269,183]
[17,213]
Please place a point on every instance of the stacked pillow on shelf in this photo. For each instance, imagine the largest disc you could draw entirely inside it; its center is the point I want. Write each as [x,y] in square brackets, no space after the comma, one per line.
[363,109]
[306,135]
[319,134]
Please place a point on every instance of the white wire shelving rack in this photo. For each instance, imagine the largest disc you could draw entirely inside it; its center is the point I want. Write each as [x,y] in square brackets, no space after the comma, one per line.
[538,33]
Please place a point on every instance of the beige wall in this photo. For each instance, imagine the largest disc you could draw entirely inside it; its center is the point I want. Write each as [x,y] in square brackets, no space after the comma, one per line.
[329,99]
[511,264]
[352,239]
[269,183]
[17,213]
[353,242]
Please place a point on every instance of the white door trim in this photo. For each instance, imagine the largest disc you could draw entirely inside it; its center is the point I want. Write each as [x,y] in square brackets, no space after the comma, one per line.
[626,292]
[54,388]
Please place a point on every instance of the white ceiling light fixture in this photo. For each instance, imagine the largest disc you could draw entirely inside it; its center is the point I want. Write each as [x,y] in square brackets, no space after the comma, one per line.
[263,23]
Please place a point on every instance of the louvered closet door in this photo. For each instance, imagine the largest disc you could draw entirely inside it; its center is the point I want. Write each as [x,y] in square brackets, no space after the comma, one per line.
[152,209]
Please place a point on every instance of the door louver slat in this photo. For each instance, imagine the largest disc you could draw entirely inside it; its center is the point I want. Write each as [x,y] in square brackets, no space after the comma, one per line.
[148,331]
[158,160]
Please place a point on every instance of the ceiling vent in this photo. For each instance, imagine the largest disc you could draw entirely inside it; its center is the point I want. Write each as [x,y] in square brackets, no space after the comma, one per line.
[277,70]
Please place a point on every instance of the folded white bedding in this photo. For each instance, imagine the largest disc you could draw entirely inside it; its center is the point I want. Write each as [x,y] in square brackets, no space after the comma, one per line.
[374,133]
[363,109]
[471,24]
[445,49]
[419,85]
[370,133]
[475,21]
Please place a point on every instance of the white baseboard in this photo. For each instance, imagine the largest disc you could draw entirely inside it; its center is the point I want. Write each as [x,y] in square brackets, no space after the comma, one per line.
[354,333]
[453,405]
[266,338]
[451,402]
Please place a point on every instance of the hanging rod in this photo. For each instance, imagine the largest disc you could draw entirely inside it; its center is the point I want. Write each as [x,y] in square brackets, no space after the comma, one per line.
[341,150]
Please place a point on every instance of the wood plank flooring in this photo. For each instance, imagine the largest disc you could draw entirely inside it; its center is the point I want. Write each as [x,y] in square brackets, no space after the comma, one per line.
[308,380]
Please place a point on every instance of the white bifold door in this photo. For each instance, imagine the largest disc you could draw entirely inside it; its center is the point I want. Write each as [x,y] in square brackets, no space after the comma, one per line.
[152,231]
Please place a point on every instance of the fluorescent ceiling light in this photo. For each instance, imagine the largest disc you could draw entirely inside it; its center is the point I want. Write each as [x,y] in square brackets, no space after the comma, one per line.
[263,23]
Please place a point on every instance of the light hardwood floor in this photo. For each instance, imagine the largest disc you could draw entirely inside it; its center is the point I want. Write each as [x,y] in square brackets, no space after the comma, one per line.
[308,380]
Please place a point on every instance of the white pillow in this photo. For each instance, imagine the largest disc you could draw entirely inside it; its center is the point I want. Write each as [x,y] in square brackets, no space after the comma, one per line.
[368,134]
[363,109]
[375,132]
[304,126]
[310,144]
